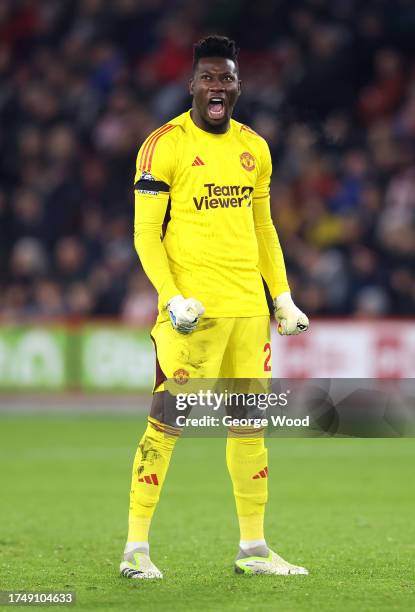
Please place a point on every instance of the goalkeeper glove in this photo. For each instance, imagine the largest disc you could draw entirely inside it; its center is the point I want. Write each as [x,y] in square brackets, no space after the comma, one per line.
[290,319]
[184,313]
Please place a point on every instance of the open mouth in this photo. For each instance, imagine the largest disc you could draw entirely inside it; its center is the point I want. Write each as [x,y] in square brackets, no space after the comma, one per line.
[216,108]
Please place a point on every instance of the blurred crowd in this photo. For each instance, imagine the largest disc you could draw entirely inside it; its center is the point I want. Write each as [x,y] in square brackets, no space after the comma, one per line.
[329,83]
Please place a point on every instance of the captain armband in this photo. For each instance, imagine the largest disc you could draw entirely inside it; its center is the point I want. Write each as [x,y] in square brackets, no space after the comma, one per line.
[148,185]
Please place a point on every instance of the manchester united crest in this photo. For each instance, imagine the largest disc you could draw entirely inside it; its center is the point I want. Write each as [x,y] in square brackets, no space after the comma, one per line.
[181,376]
[247,161]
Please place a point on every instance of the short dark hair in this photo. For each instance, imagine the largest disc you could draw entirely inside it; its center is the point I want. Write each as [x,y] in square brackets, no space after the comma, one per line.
[215,46]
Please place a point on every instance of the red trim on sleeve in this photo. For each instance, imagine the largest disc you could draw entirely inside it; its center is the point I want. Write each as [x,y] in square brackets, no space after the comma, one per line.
[151,140]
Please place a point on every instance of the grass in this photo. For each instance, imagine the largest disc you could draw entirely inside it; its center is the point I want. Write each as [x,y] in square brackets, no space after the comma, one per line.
[344,508]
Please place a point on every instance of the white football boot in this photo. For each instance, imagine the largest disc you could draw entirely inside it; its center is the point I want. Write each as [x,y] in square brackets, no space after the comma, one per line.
[273,564]
[137,564]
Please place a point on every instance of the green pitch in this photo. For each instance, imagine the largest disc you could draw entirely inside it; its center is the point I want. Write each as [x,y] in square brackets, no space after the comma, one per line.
[343,508]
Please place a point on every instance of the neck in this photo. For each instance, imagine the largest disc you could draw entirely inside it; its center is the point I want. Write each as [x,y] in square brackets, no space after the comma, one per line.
[207,127]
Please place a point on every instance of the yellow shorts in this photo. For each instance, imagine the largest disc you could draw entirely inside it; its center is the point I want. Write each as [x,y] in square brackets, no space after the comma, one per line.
[228,347]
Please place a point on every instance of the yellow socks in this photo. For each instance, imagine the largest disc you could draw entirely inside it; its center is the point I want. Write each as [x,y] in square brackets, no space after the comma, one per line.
[248,467]
[246,458]
[149,471]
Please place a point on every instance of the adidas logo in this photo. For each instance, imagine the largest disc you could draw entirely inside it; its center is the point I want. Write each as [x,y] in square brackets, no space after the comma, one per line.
[261,474]
[151,479]
[198,162]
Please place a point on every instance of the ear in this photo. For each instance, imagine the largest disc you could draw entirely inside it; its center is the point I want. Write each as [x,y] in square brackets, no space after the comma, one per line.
[239,86]
[191,86]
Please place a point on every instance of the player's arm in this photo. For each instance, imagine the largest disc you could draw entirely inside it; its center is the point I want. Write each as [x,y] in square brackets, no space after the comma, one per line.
[270,257]
[151,192]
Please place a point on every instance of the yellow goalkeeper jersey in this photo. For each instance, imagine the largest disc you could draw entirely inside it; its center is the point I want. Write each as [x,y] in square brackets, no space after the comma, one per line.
[203,227]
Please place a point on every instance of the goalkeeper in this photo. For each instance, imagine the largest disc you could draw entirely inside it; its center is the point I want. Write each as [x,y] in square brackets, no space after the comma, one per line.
[205,237]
